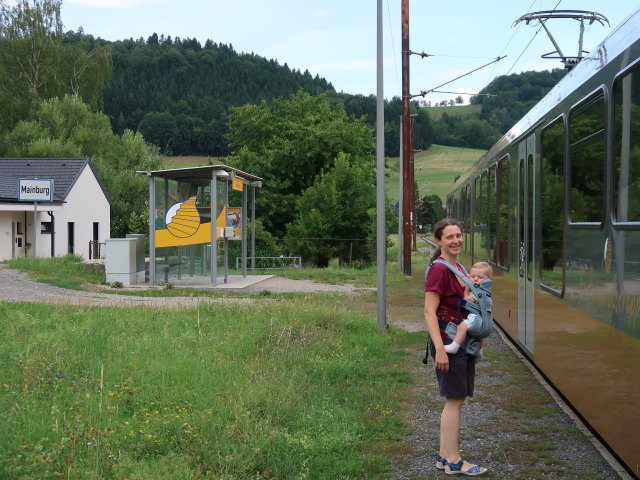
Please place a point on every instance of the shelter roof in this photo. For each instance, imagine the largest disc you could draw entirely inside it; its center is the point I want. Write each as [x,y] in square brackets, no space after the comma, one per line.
[200,173]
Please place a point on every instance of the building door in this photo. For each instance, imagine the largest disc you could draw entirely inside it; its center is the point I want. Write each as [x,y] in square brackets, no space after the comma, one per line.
[70,237]
[17,233]
[95,246]
[526,245]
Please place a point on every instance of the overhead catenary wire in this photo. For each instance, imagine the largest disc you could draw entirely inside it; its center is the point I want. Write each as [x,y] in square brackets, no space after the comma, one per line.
[531,41]
[507,45]
[423,93]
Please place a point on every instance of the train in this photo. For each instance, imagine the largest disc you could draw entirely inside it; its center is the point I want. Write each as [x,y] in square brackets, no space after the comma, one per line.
[554,206]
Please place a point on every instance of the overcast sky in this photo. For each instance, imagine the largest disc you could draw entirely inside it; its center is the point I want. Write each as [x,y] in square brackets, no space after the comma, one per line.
[336,39]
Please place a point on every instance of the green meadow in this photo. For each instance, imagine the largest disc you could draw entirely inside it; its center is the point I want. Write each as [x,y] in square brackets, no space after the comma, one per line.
[293,389]
[288,386]
[435,170]
[436,113]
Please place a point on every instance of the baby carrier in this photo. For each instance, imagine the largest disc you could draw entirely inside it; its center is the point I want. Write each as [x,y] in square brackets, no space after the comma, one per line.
[483,309]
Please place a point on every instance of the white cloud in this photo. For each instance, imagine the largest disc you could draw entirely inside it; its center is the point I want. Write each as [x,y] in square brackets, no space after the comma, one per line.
[321,13]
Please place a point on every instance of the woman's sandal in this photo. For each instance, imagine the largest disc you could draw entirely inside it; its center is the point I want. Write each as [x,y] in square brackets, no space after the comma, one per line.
[440,461]
[456,469]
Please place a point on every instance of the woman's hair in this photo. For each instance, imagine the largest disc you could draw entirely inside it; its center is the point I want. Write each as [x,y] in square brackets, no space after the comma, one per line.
[437,233]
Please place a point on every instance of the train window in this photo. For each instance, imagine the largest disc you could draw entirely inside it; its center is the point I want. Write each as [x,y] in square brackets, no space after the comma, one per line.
[552,205]
[491,213]
[587,156]
[529,216]
[502,194]
[466,218]
[478,205]
[626,173]
[521,223]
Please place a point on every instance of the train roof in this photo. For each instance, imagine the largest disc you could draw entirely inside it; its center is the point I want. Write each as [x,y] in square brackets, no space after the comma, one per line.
[614,45]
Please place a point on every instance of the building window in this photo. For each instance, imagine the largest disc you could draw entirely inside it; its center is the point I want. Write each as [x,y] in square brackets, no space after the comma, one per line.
[46,228]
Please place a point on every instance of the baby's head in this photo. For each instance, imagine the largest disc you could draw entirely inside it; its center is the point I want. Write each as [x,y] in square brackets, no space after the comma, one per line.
[480,271]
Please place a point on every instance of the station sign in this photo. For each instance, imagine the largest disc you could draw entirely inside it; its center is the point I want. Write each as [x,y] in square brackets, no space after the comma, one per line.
[35,190]
[237,184]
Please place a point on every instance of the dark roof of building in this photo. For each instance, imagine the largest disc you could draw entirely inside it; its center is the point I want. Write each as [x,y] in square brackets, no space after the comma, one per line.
[63,171]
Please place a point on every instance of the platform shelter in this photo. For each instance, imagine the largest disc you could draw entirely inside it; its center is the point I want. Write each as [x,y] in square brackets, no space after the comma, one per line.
[194,214]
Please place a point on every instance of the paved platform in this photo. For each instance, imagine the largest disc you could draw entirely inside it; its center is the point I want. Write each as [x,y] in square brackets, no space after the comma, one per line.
[234,282]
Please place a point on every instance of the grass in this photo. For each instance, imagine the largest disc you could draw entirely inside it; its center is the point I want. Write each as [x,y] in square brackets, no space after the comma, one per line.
[435,170]
[435,113]
[67,271]
[295,389]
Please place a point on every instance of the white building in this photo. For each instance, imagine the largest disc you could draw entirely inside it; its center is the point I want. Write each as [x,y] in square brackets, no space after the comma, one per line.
[75,220]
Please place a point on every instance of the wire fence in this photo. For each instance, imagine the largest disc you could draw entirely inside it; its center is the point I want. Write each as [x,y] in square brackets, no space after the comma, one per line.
[271,263]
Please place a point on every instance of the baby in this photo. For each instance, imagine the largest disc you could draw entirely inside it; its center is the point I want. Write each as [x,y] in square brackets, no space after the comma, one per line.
[478,273]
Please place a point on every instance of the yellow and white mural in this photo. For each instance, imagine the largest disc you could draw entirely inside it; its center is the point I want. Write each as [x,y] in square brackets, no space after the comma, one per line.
[184,226]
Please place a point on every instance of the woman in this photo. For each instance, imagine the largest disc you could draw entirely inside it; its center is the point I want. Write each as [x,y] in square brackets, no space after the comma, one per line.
[455,372]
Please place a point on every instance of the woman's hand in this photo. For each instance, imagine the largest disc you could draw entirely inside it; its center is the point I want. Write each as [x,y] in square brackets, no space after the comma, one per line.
[442,361]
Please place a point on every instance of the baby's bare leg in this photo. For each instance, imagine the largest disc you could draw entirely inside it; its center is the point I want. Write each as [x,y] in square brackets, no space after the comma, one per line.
[461,334]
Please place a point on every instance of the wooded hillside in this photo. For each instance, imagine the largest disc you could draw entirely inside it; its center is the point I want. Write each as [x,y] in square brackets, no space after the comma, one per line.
[511,96]
[177,92]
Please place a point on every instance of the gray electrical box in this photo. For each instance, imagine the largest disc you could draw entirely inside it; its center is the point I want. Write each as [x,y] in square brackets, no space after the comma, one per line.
[120,261]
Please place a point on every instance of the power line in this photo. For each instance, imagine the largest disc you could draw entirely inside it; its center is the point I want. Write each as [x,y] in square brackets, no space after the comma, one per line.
[393,46]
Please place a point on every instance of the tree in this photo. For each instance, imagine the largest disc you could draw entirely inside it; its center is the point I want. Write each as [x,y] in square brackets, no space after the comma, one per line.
[159,129]
[338,210]
[29,37]
[68,128]
[35,64]
[429,210]
[288,143]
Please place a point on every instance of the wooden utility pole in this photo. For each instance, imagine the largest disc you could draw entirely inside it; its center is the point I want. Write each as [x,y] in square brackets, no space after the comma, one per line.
[407,146]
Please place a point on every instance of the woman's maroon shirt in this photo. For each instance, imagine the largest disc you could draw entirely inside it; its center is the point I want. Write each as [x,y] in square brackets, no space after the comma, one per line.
[443,281]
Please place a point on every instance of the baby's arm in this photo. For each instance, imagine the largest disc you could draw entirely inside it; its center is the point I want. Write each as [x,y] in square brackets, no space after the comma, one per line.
[468,296]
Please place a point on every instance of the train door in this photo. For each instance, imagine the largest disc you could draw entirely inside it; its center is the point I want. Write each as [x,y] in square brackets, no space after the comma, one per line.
[526,246]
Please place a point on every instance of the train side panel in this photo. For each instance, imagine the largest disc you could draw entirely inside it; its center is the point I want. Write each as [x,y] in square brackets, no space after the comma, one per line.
[554,206]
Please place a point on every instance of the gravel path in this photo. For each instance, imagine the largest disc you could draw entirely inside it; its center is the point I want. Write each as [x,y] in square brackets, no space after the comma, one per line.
[496,423]
[16,286]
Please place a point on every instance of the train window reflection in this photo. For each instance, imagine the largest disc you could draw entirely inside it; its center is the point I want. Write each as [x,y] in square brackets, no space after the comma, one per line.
[491,212]
[521,223]
[586,194]
[529,211]
[552,201]
[627,148]
[478,203]
[503,213]
[466,218]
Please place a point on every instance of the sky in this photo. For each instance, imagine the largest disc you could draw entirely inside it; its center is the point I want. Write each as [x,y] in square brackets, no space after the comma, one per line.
[337,39]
